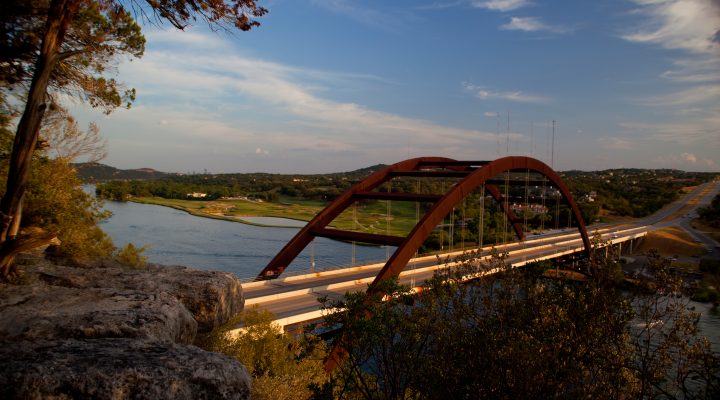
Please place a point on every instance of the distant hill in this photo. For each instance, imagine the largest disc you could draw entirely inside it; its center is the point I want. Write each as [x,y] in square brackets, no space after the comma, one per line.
[368,170]
[93,172]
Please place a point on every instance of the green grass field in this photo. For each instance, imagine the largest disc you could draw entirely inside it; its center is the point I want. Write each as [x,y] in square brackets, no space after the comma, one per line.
[370,218]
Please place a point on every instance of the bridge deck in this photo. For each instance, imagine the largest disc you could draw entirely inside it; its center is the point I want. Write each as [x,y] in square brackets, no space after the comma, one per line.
[294,299]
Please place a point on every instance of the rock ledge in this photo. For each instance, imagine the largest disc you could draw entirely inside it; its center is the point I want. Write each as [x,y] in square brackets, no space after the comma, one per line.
[114,333]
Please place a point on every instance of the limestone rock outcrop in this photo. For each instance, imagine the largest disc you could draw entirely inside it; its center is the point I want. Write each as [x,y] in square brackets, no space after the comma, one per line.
[118,368]
[113,332]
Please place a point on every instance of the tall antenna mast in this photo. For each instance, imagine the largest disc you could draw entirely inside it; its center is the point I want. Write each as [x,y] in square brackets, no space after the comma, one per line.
[532,138]
[497,131]
[552,148]
[507,141]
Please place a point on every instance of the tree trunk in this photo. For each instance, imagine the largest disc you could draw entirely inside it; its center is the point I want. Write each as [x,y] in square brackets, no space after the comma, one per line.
[23,243]
[60,14]
[15,222]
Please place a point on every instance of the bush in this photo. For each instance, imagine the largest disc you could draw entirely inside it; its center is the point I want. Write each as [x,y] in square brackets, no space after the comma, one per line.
[710,266]
[131,256]
[519,335]
[281,366]
[56,202]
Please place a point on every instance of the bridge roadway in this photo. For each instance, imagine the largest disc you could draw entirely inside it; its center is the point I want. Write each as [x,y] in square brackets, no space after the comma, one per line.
[293,299]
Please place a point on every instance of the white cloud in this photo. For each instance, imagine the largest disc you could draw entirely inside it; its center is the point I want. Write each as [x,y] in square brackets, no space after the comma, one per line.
[704,68]
[359,11]
[690,25]
[500,5]
[615,143]
[685,161]
[490,114]
[484,93]
[689,157]
[693,95]
[693,27]
[531,24]
[221,97]
[698,130]
[440,5]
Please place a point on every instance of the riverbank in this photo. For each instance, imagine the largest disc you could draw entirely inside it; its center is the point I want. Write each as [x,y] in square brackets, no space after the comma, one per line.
[369,218]
[196,208]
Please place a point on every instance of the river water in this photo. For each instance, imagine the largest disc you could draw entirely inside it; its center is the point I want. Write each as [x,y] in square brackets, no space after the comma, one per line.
[175,237]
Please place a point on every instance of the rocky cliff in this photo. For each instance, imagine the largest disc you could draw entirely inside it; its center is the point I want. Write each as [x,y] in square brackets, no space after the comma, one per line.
[114,333]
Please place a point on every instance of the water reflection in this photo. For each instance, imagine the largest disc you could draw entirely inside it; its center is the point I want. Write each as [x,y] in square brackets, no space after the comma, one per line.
[178,238]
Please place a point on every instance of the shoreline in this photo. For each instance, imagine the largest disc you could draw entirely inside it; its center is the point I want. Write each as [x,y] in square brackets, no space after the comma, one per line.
[237,219]
[218,216]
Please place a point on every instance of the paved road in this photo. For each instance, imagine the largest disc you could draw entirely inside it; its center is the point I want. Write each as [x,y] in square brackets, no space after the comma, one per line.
[295,298]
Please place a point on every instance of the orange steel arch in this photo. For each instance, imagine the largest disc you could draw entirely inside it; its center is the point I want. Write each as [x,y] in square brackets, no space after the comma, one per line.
[473,174]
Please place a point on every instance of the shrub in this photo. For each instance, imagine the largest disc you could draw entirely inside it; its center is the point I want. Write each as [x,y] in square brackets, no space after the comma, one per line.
[282,367]
[131,256]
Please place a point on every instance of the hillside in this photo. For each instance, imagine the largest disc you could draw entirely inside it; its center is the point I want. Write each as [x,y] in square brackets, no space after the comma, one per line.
[93,172]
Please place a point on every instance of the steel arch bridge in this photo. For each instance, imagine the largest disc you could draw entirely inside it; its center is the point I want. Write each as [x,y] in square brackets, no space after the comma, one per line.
[471,175]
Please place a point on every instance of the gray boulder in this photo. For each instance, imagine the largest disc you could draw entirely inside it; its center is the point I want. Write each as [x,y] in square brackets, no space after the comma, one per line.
[111,332]
[38,311]
[166,303]
[118,368]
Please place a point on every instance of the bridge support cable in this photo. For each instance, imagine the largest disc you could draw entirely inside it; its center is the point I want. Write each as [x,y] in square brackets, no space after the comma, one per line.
[557,210]
[354,217]
[472,174]
[509,214]
[506,206]
[543,209]
[569,218]
[481,228]
[452,228]
[462,227]
[312,255]
[387,219]
[525,209]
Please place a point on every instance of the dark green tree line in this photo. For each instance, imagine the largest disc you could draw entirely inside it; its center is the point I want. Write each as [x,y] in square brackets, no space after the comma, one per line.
[711,213]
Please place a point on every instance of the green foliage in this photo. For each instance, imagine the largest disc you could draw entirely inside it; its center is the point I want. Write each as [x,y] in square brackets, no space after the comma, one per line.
[282,367]
[519,335]
[98,33]
[708,290]
[710,266]
[56,202]
[131,256]
[711,213]
[632,192]
[268,187]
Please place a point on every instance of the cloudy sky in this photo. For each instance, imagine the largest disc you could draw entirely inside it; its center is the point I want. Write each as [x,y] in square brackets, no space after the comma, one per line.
[335,85]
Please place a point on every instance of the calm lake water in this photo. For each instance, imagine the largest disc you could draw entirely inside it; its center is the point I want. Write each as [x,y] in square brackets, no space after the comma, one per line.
[175,237]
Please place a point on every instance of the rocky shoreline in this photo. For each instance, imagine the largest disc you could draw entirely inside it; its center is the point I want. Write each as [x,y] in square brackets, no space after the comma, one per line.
[111,332]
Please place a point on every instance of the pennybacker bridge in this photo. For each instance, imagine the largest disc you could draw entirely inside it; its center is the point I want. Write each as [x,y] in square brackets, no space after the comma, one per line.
[507,181]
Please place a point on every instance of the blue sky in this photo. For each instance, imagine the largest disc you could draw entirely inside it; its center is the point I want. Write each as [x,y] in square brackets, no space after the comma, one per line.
[334,85]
